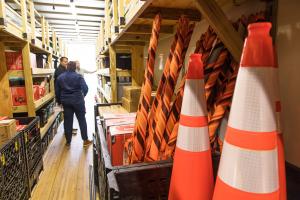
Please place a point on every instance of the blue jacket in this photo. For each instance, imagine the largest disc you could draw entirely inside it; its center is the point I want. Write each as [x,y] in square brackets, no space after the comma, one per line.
[70,88]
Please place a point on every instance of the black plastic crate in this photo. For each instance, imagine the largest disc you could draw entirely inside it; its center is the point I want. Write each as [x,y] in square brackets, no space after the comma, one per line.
[43,115]
[44,143]
[13,174]
[33,148]
[137,181]
[33,178]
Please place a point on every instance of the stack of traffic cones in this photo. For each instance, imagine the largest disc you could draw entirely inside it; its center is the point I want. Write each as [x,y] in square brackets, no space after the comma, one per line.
[252,162]
[249,162]
[192,175]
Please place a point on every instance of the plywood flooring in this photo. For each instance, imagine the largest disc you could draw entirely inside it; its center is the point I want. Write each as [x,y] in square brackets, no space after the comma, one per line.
[66,170]
[65,175]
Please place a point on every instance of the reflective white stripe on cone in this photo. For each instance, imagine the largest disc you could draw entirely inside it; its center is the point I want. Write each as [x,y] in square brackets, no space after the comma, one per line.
[249,163]
[192,174]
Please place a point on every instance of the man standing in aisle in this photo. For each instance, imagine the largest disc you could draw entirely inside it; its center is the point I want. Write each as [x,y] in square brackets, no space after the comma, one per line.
[70,90]
[62,67]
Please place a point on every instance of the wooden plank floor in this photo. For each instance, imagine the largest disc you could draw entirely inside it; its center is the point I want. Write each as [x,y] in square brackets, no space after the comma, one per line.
[65,174]
[66,170]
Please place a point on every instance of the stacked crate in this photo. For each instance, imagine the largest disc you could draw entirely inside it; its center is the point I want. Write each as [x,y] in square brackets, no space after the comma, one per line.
[147,180]
[13,174]
[131,98]
[32,147]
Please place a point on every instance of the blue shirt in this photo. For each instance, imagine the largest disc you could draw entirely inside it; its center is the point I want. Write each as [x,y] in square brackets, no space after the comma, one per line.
[70,88]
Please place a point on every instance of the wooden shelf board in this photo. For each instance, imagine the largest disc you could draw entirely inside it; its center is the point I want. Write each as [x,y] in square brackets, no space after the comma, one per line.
[38,49]
[15,73]
[106,96]
[120,73]
[49,122]
[19,109]
[39,103]
[138,11]
[42,71]
[124,73]
[143,12]
[13,31]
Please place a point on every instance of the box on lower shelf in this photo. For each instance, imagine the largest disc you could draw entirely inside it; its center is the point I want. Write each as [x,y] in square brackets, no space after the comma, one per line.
[132,93]
[130,106]
[8,129]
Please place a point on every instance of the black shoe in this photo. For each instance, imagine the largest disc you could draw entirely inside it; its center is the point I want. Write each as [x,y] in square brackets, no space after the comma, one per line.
[74,131]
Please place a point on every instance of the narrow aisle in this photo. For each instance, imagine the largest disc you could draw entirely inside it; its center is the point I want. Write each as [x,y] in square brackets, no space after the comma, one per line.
[66,170]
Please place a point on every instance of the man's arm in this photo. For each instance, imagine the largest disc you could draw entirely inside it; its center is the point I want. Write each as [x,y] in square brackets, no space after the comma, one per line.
[87,71]
[57,91]
[83,85]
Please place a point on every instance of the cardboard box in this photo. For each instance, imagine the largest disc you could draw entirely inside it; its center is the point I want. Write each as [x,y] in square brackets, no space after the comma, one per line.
[132,93]
[118,115]
[119,121]
[130,106]
[8,129]
[116,140]
[120,89]
[14,60]
[18,95]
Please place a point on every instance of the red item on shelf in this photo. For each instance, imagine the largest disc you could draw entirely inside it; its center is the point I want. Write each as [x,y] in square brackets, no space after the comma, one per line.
[36,92]
[116,140]
[42,91]
[3,117]
[18,95]
[14,60]
[20,127]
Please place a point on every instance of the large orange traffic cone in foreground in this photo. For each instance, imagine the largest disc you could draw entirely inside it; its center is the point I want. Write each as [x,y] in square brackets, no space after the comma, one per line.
[249,163]
[192,175]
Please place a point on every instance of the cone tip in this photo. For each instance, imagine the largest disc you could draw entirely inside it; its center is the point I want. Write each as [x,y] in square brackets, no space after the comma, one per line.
[264,25]
[258,48]
[195,69]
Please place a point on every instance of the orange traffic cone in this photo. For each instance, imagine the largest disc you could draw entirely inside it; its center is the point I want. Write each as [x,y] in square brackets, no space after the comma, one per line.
[280,146]
[248,167]
[192,175]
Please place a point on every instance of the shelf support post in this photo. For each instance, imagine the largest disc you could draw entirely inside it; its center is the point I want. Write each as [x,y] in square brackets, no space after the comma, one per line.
[43,32]
[224,29]
[2,13]
[113,73]
[32,21]
[115,16]
[137,62]
[5,94]
[24,18]
[28,80]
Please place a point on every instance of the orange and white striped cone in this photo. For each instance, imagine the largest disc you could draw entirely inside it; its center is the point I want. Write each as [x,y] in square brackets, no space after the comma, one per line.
[192,175]
[280,143]
[248,167]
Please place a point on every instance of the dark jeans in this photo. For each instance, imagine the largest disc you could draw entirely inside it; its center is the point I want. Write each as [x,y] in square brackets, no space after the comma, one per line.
[79,110]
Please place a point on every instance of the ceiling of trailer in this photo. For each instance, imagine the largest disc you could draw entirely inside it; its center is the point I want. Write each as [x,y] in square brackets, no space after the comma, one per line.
[72,20]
